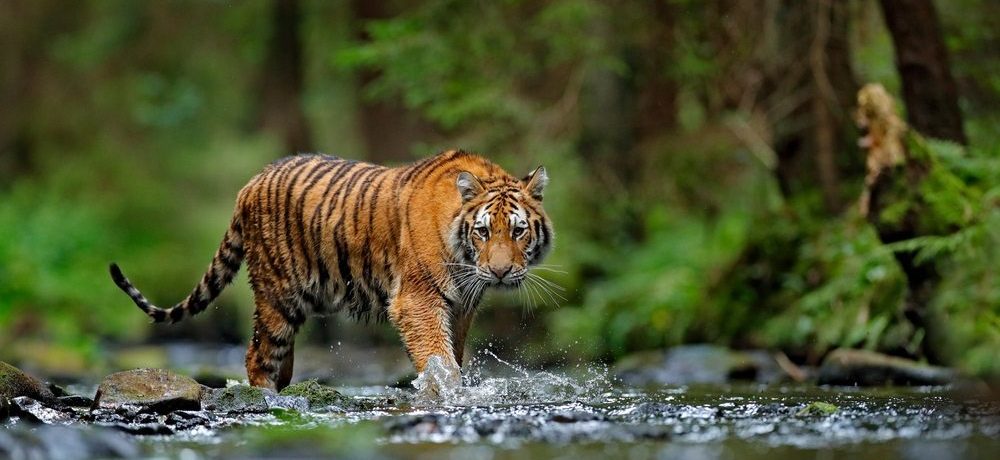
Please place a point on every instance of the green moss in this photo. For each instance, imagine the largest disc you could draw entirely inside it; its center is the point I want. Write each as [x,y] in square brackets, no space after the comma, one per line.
[818,408]
[319,396]
[14,382]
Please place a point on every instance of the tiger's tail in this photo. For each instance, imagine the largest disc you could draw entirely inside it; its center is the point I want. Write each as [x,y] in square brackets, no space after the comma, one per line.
[221,272]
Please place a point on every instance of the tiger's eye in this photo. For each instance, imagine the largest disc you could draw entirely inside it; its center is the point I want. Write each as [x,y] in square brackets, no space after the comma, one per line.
[517,232]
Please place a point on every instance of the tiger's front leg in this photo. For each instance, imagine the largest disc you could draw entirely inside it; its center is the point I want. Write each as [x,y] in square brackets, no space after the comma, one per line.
[424,323]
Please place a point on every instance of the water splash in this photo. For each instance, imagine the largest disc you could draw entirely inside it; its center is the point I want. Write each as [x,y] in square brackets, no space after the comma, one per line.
[491,380]
[439,381]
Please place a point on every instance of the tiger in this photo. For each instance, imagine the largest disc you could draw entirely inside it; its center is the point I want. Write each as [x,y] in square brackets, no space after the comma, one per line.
[416,245]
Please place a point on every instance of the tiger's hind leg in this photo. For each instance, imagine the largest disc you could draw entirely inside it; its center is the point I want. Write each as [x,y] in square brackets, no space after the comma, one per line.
[270,354]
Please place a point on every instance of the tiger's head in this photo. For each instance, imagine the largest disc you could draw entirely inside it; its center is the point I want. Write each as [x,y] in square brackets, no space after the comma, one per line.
[501,229]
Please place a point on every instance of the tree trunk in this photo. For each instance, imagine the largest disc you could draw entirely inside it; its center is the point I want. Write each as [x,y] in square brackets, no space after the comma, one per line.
[929,89]
[283,80]
[789,60]
[656,111]
[388,128]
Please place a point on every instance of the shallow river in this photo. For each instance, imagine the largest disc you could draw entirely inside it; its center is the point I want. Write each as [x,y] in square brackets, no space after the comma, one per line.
[509,412]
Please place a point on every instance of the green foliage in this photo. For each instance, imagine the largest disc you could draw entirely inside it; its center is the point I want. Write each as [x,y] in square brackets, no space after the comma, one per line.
[968,301]
[462,77]
[654,293]
[53,250]
[138,131]
[843,290]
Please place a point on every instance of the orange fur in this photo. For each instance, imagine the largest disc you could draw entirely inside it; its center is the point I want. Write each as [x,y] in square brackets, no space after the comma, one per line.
[321,234]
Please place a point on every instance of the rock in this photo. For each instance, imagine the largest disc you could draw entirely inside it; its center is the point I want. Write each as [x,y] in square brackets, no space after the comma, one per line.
[142,428]
[574,416]
[185,420]
[155,390]
[236,398]
[14,382]
[318,396]
[689,364]
[867,368]
[76,401]
[34,411]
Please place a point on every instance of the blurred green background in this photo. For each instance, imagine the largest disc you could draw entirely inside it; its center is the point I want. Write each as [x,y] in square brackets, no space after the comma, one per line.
[703,156]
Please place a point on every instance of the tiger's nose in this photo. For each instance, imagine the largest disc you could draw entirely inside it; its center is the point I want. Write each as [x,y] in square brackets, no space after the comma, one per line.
[500,272]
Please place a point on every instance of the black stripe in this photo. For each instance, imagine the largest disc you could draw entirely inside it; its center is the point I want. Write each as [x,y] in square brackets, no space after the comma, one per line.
[276,341]
[314,303]
[319,217]
[212,282]
[291,315]
[372,203]
[313,179]
[362,193]
[289,250]
[230,260]
[263,209]
[342,263]
[279,216]
[316,224]
[339,235]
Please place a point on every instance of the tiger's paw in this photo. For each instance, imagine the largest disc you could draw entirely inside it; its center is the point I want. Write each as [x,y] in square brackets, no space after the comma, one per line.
[440,380]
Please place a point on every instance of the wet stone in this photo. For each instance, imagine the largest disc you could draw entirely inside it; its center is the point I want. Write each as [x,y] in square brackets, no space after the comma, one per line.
[236,398]
[486,427]
[76,401]
[186,420]
[576,416]
[142,429]
[34,411]
[154,390]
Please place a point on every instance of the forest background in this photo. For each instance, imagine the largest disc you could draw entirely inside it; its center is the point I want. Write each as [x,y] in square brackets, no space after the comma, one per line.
[704,160]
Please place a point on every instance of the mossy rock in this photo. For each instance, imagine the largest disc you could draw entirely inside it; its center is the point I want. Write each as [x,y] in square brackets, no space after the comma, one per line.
[319,396]
[236,398]
[14,382]
[818,408]
[156,390]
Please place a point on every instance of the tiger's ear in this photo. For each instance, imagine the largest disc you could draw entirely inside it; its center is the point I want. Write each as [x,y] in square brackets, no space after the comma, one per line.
[468,185]
[535,182]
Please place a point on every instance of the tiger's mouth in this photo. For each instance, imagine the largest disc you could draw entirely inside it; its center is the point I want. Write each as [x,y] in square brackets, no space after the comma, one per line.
[511,279]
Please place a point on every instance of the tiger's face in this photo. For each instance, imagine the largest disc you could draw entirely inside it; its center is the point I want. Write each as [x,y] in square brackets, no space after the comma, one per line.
[501,229]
